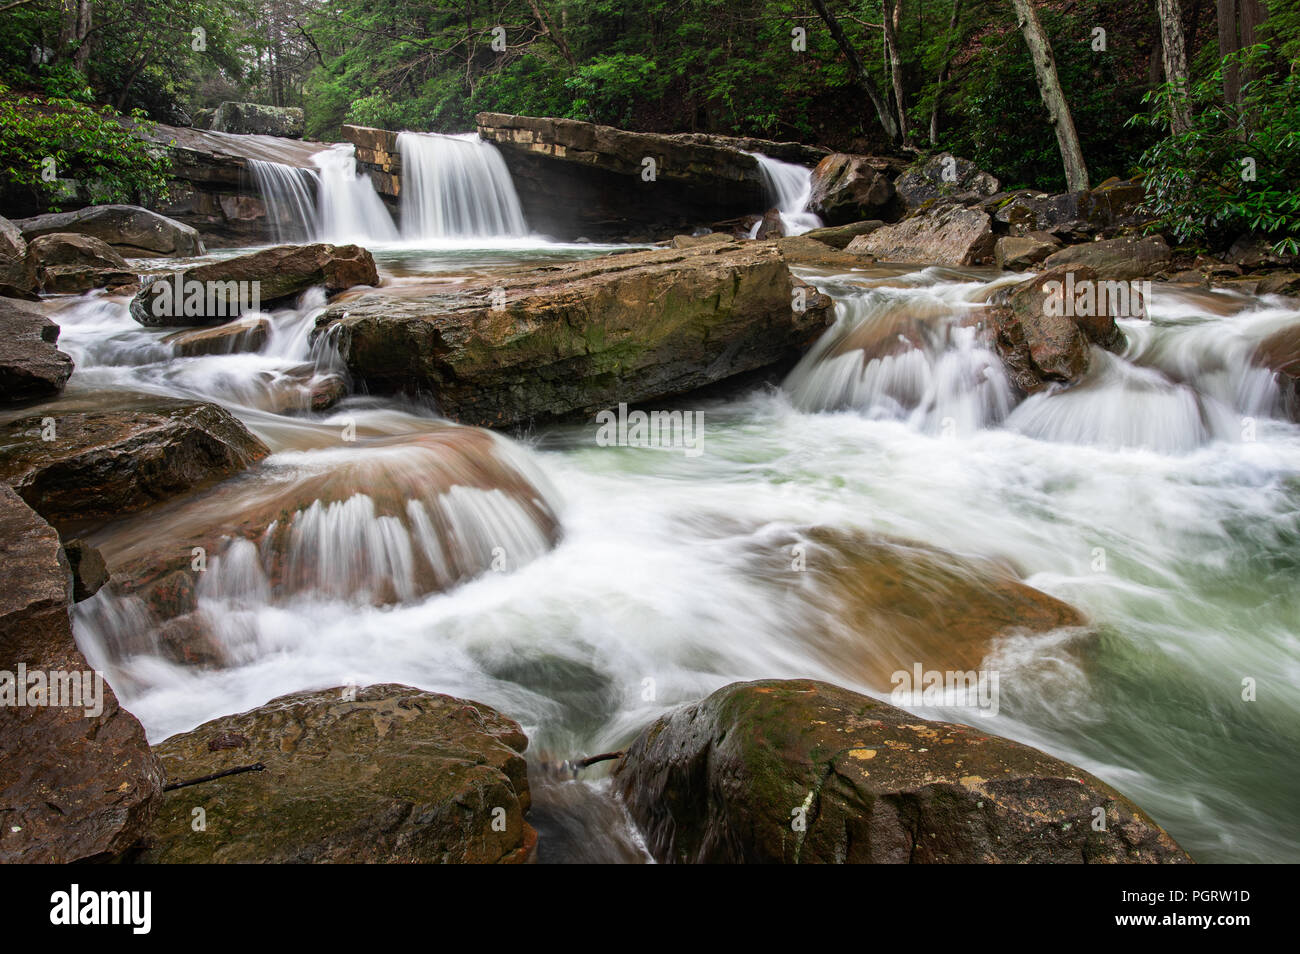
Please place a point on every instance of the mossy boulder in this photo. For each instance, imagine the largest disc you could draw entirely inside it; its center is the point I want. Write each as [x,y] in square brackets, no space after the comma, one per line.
[804,772]
[384,774]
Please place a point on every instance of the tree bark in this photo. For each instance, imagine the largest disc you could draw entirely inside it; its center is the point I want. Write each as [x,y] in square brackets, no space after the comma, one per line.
[553,33]
[895,59]
[1228,44]
[1175,54]
[1049,86]
[1253,15]
[859,71]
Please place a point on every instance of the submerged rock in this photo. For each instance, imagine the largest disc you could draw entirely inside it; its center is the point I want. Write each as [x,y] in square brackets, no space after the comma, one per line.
[73,786]
[803,772]
[129,229]
[243,334]
[573,339]
[943,235]
[221,291]
[31,367]
[384,774]
[102,464]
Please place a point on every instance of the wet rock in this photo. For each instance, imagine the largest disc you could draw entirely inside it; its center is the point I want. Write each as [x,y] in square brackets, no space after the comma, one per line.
[1103,211]
[89,572]
[31,367]
[390,774]
[241,335]
[129,229]
[272,276]
[802,250]
[73,786]
[1042,328]
[15,279]
[574,339]
[102,464]
[732,779]
[943,235]
[69,263]
[848,188]
[256,119]
[839,236]
[1280,353]
[695,241]
[943,176]
[1123,259]
[1015,253]
[771,226]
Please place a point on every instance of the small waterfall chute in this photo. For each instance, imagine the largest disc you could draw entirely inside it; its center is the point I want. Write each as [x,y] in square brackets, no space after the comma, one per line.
[288,193]
[349,209]
[790,187]
[456,187]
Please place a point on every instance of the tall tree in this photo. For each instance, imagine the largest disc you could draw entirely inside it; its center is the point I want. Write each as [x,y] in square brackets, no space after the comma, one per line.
[1049,86]
[944,67]
[894,58]
[1174,48]
[859,71]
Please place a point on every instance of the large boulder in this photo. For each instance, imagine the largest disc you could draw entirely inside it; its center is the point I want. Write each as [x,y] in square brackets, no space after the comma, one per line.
[77,779]
[1021,253]
[1043,328]
[380,774]
[256,119]
[1122,259]
[848,188]
[217,292]
[802,250]
[943,175]
[31,366]
[942,235]
[129,229]
[15,279]
[71,263]
[574,339]
[102,464]
[839,236]
[803,772]
[1075,216]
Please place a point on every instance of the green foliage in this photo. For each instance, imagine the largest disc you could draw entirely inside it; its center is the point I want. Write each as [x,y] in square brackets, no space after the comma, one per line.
[90,143]
[608,89]
[1236,168]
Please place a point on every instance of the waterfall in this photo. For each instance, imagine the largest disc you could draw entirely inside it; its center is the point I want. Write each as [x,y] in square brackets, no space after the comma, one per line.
[790,186]
[350,209]
[456,187]
[287,192]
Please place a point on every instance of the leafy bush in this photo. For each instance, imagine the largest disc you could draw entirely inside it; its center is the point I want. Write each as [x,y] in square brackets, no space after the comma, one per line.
[1236,168]
[85,142]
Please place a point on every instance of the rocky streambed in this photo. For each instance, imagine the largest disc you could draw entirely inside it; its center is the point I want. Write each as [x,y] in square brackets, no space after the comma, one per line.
[365,565]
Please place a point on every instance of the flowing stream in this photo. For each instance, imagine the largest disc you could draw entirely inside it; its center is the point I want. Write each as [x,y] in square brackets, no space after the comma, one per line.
[584,590]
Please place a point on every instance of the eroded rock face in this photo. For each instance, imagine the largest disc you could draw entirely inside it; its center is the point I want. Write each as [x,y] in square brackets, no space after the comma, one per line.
[31,366]
[848,188]
[73,786]
[578,338]
[103,464]
[724,780]
[276,274]
[1280,353]
[129,229]
[943,235]
[943,176]
[70,263]
[14,277]
[1043,344]
[391,775]
[1123,259]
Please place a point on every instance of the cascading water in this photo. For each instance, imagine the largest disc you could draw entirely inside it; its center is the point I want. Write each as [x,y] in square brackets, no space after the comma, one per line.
[289,194]
[790,187]
[350,209]
[456,187]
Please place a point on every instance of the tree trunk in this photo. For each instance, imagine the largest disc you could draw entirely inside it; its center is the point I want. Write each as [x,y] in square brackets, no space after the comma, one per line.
[74,26]
[859,71]
[1049,85]
[1175,53]
[1228,44]
[552,32]
[1253,15]
[894,57]
[943,71]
